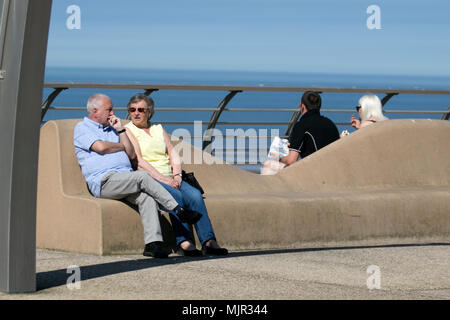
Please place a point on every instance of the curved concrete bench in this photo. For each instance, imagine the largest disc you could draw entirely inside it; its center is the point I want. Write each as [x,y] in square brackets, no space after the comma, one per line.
[387,181]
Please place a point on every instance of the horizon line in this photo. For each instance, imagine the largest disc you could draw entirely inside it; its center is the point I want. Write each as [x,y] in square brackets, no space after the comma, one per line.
[248,71]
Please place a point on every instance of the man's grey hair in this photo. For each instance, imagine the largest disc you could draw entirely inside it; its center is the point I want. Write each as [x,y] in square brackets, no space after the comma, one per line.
[95,101]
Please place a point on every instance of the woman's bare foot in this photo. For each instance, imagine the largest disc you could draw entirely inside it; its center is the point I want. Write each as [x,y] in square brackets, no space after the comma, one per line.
[187,245]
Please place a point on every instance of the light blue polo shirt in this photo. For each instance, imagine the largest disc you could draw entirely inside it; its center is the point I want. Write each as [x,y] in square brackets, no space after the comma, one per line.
[94,165]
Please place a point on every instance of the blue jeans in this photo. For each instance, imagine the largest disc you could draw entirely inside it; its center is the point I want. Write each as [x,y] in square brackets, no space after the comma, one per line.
[190,198]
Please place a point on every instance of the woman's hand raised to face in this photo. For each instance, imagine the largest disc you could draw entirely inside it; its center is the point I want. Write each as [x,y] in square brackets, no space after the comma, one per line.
[355,123]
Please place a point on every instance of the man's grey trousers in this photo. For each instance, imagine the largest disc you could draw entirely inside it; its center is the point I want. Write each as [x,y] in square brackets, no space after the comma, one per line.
[140,189]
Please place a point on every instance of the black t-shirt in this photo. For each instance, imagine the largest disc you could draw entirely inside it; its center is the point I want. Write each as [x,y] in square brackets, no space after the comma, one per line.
[311,133]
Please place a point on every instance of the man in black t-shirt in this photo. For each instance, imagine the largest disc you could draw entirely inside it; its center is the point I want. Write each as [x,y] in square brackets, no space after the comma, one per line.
[312,132]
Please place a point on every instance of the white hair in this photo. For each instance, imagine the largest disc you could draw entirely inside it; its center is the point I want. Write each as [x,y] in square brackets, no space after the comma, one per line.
[371,108]
[95,101]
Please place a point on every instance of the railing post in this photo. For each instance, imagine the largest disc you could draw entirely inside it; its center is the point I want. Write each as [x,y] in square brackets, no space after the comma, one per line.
[48,102]
[446,115]
[294,118]
[150,91]
[387,98]
[215,117]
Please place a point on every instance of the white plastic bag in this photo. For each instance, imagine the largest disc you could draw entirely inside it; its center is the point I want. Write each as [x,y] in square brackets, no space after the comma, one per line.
[278,147]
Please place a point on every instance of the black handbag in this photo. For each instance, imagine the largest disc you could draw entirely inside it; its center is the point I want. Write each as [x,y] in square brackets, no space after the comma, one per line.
[190,179]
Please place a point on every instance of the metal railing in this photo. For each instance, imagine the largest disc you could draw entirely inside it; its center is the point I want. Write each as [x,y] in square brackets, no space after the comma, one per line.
[231,91]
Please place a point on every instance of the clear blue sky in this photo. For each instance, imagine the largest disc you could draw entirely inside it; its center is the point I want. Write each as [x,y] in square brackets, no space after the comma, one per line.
[326,36]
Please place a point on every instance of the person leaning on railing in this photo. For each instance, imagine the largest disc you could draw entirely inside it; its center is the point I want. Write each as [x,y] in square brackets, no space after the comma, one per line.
[370,110]
[157,156]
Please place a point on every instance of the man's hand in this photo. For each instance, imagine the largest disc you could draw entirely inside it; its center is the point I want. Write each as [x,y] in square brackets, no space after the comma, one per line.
[275,155]
[115,123]
[106,147]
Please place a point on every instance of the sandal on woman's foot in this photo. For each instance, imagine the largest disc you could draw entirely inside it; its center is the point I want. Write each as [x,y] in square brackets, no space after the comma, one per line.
[188,253]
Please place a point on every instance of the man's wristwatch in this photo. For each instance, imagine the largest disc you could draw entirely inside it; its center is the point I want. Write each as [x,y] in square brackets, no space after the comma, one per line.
[179,174]
[121,131]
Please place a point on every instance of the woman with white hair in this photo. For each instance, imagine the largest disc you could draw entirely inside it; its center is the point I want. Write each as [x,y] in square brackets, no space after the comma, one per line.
[370,111]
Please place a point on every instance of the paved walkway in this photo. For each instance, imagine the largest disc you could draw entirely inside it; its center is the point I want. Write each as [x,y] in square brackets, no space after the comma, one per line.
[394,271]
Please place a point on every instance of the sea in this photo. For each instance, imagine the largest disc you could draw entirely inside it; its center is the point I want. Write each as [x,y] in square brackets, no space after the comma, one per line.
[436,104]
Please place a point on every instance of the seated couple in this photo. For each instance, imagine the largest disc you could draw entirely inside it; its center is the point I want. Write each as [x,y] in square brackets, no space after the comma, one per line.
[105,150]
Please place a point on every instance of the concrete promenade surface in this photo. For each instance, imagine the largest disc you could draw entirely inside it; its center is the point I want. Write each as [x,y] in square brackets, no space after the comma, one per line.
[403,269]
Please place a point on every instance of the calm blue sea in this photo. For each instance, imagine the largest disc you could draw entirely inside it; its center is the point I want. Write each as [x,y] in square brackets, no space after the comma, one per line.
[210,99]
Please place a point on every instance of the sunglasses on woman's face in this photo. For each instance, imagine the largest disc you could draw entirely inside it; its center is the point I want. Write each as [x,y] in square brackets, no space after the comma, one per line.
[140,110]
[357,108]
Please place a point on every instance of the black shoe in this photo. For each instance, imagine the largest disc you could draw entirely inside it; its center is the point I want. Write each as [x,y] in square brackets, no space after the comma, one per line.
[186,215]
[214,251]
[155,250]
[189,253]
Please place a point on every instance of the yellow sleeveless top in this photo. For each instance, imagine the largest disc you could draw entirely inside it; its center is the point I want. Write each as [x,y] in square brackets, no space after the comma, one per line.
[153,148]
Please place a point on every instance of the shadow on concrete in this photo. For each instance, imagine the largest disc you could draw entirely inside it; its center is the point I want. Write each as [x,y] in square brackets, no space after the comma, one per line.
[55,278]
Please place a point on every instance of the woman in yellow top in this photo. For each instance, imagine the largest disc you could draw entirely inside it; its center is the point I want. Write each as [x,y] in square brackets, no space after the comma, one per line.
[157,156]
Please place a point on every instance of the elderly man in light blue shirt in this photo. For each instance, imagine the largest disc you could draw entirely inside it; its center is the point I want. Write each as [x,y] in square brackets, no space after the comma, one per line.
[104,151]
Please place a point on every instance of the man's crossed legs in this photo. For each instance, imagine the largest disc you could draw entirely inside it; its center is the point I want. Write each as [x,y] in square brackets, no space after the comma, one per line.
[140,189]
